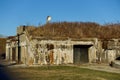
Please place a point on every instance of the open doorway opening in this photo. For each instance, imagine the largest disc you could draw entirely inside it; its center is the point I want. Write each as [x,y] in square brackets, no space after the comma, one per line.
[13,54]
[81,54]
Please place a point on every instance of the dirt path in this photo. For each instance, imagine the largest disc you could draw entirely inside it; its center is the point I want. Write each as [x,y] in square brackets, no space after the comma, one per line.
[101,67]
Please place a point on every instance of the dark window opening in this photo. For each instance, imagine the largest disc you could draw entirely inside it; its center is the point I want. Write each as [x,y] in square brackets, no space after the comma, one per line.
[50,46]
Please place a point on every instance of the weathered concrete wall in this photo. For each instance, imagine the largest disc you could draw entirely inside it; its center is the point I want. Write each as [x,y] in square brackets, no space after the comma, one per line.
[26,49]
[110,55]
[60,53]
[112,50]
[92,54]
[7,51]
[50,51]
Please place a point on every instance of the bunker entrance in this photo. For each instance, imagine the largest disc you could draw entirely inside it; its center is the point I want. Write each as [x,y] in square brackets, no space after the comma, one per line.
[13,54]
[81,54]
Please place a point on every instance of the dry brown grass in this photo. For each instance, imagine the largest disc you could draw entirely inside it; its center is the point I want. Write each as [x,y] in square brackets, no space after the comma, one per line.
[77,30]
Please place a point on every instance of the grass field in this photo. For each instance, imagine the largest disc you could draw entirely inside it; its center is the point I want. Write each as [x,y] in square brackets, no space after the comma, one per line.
[61,73]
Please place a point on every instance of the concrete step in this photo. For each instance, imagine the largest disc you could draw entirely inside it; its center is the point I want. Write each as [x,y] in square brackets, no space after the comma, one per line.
[7,63]
[116,64]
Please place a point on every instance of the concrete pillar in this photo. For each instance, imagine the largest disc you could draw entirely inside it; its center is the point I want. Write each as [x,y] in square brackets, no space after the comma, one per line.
[7,53]
[92,54]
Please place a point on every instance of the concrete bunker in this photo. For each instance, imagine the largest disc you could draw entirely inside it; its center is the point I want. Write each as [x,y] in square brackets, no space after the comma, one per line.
[81,54]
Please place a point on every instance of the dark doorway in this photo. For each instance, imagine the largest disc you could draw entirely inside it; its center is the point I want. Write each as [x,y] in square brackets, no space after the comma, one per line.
[13,54]
[19,54]
[9,54]
[81,54]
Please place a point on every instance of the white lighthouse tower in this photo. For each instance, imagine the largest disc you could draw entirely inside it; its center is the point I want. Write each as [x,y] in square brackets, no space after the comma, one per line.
[48,19]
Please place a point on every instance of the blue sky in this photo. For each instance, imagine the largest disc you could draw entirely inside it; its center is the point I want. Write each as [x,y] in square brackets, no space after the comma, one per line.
[14,13]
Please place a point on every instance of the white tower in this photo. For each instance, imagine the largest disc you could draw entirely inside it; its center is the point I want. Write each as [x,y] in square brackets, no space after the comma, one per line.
[48,19]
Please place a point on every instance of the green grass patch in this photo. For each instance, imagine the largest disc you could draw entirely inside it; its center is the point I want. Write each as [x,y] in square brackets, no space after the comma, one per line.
[61,73]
